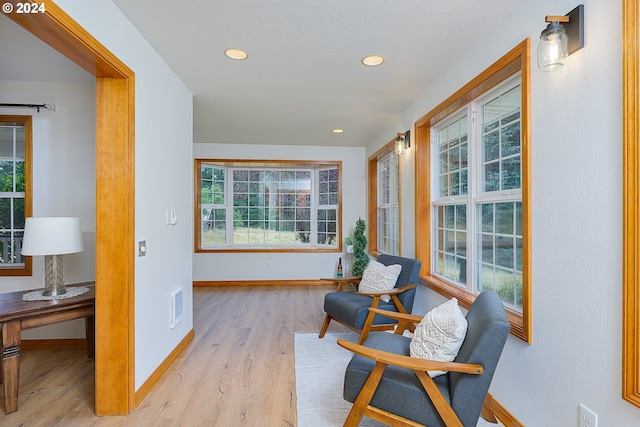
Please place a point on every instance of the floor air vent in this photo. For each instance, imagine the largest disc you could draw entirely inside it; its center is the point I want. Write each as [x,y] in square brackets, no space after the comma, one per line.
[176,307]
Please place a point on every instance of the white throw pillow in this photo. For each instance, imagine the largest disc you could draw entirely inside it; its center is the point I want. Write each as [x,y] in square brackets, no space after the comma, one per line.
[440,334]
[379,277]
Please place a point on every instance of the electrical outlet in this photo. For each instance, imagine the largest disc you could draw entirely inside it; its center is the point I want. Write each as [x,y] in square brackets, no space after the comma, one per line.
[269,264]
[142,248]
[588,418]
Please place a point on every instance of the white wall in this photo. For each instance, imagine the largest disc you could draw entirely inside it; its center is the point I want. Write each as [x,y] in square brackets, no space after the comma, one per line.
[163,180]
[576,162]
[286,266]
[63,178]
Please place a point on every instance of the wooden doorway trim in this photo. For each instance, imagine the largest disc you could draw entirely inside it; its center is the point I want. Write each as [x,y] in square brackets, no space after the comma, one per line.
[115,255]
[631,202]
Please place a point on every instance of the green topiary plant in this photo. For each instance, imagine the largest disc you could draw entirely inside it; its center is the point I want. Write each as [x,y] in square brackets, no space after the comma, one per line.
[360,257]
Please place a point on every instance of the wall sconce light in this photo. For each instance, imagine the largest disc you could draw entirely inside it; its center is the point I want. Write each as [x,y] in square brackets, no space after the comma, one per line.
[563,36]
[403,142]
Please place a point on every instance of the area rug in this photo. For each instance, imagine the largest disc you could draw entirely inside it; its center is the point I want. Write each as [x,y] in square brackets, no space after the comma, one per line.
[320,366]
[319,369]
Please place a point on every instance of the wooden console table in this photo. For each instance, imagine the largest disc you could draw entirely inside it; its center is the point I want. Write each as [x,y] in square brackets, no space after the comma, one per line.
[17,315]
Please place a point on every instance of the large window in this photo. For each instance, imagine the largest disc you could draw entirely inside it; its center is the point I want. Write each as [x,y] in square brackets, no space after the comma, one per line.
[388,204]
[472,177]
[477,205]
[268,206]
[384,201]
[15,192]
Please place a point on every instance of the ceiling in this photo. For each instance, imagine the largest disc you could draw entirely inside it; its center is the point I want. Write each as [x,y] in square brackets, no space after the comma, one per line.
[303,76]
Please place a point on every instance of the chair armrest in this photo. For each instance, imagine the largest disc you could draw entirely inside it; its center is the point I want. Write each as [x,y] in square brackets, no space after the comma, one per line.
[402,324]
[410,318]
[409,362]
[394,291]
[341,281]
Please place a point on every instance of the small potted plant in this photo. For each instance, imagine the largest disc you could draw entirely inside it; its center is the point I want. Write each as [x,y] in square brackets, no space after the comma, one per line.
[359,242]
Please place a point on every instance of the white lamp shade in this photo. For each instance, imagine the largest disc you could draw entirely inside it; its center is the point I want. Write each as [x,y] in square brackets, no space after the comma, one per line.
[52,236]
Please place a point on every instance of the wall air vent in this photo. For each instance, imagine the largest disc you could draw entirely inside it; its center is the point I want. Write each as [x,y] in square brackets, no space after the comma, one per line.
[176,307]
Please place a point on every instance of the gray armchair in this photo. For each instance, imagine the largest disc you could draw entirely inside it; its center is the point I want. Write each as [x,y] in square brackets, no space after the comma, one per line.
[351,308]
[385,383]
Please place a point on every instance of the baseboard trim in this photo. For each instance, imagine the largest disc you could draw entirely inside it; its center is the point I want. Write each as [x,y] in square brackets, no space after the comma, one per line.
[229,283]
[500,413]
[154,378]
[49,343]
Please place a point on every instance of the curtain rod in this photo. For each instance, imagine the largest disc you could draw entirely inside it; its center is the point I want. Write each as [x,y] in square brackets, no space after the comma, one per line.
[51,107]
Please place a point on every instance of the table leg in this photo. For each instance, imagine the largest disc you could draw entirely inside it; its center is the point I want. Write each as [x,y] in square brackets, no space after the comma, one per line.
[11,364]
[1,364]
[90,331]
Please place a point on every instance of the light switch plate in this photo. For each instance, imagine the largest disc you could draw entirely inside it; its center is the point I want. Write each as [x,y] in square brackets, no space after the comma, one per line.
[171,217]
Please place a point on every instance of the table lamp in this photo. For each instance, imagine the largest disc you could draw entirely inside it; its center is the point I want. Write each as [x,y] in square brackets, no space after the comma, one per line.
[52,237]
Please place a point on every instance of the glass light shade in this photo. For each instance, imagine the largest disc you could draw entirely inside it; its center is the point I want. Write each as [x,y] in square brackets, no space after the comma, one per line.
[52,236]
[553,47]
[399,148]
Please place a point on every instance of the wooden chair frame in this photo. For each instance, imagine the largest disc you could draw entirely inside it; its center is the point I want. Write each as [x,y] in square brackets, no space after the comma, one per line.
[361,406]
[368,323]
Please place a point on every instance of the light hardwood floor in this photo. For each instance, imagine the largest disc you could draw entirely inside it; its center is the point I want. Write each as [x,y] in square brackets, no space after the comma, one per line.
[238,371]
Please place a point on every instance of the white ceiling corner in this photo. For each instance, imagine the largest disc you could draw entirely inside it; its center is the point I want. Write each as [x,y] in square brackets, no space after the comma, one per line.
[303,76]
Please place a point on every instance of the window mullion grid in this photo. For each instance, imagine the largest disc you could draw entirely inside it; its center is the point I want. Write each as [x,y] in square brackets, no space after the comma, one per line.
[442,200]
[436,202]
[394,202]
[387,204]
[385,196]
[11,204]
[213,207]
[393,179]
[482,197]
[315,203]
[245,192]
[12,233]
[228,200]
[395,226]
[475,160]
[495,234]
[327,208]
[453,202]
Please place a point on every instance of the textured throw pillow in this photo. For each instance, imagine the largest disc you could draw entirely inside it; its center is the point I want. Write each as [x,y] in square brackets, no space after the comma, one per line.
[379,277]
[440,334]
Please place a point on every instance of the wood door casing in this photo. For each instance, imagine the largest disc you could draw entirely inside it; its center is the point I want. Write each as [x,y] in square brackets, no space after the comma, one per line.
[115,256]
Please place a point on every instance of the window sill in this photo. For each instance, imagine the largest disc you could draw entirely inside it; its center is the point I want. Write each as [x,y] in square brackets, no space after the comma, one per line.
[257,250]
[466,298]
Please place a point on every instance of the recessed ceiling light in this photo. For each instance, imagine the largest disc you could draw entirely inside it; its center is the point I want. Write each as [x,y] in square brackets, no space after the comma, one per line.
[373,60]
[236,54]
[337,130]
